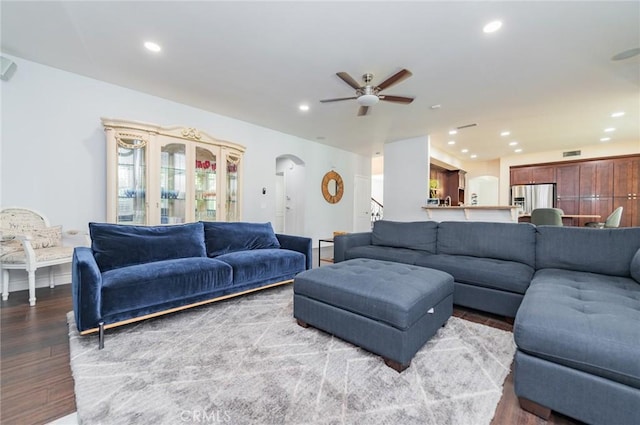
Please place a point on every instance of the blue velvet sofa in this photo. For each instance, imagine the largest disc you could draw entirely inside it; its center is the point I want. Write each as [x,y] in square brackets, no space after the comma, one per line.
[574,292]
[132,273]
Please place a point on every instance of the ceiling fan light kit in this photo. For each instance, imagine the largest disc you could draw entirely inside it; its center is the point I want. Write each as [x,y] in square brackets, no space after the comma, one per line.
[368,95]
[368,99]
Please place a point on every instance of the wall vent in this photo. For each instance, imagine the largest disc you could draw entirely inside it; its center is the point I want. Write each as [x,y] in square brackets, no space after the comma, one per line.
[571,153]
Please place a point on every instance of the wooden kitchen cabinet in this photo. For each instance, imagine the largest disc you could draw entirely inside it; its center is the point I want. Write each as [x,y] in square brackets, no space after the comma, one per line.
[455,186]
[626,190]
[596,179]
[532,175]
[592,186]
[568,188]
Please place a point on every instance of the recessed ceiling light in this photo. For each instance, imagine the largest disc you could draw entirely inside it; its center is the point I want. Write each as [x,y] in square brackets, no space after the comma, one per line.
[513,143]
[474,156]
[453,131]
[151,46]
[505,133]
[492,26]
[303,107]
[518,150]
[436,106]
[605,139]
[451,142]
[464,150]
[609,130]
[617,114]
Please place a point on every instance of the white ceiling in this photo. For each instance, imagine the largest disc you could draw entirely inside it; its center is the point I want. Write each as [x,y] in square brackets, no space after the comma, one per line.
[547,75]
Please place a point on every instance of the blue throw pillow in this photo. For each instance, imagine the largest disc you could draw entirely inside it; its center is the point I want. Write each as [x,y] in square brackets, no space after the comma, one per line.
[223,238]
[116,245]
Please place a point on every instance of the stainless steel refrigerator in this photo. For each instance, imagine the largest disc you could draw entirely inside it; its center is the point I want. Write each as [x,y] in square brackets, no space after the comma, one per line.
[528,197]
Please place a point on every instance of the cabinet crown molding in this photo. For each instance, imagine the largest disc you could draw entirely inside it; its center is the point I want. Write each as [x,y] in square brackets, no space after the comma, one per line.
[177,131]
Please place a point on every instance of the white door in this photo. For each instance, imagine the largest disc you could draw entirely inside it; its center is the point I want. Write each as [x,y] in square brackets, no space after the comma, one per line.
[362,204]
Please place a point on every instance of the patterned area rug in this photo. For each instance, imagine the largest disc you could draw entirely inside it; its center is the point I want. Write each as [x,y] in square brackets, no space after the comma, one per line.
[246,361]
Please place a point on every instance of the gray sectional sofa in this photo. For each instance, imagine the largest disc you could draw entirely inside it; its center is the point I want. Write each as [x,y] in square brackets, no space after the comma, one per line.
[574,293]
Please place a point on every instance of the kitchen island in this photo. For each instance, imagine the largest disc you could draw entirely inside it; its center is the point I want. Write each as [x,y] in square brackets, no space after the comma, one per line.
[501,214]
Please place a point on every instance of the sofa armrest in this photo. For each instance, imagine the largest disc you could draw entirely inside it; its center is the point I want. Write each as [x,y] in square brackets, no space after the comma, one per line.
[86,288]
[299,244]
[342,243]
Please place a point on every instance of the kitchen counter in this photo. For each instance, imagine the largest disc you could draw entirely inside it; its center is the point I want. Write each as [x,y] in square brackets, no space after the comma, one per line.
[497,213]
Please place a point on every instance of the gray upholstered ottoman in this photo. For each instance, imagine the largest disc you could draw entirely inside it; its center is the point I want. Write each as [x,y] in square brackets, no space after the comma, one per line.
[387,308]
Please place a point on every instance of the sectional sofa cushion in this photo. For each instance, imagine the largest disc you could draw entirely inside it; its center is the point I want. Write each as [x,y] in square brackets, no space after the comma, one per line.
[606,251]
[225,237]
[263,265]
[635,266]
[419,235]
[385,253]
[131,288]
[509,276]
[116,245]
[502,241]
[582,320]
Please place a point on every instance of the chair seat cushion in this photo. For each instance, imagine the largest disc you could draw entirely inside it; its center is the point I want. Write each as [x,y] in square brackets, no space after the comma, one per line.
[586,321]
[491,273]
[260,265]
[143,285]
[43,254]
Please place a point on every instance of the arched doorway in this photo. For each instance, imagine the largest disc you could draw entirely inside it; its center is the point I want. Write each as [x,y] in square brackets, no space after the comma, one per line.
[290,195]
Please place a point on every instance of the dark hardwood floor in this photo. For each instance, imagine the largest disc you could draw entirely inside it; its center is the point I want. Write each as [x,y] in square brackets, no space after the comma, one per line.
[36,381]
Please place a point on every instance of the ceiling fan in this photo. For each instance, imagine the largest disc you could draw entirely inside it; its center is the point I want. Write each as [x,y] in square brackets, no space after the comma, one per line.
[369,94]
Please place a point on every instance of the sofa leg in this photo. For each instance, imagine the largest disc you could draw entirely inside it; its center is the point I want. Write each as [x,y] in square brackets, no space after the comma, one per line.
[301,323]
[535,408]
[100,335]
[395,365]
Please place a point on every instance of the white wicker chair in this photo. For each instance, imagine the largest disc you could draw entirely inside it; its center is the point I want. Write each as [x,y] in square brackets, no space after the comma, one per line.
[29,243]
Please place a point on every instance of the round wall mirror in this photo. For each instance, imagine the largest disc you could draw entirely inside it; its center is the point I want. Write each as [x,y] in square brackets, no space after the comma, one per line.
[332,187]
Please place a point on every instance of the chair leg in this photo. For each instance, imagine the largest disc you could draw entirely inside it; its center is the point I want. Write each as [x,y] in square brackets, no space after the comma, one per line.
[52,283]
[32,288]
[5,285]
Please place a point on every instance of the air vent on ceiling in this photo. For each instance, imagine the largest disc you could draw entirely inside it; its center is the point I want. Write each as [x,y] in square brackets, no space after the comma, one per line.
[571,153]
[466,126]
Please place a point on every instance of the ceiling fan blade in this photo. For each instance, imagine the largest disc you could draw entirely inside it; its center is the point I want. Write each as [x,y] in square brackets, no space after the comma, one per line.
[395,79]
[363,111]
[348,79]
[338,99]
[398,99]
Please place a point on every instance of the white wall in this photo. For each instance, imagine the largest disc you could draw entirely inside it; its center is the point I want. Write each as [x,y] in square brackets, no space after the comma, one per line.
[53,150]
[406,179]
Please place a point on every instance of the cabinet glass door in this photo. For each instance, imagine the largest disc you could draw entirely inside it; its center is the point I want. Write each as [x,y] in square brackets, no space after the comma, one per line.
[205,180]
[132,177]
[231,207]
[173,183]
